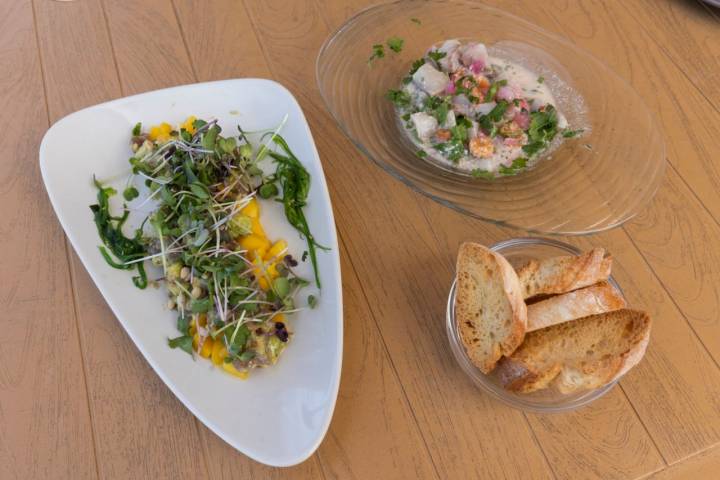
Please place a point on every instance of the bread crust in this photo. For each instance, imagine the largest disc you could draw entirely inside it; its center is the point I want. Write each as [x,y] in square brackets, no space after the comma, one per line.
[479,268]
[564,274]
[599,298]
[527,370]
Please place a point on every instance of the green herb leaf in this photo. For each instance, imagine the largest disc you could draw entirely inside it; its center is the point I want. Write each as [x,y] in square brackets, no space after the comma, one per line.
[436,55]
[416,65]
[541,79]
[183,342]
[572,133]
[183,325]
[312,301]
[137,129]
[416,21]
[268,190]
[281,287]
[201,306]
[378,51]
[421,153]
[478,173]
[517,165]
[130,193]
[401,98]
[453,149]
[395,44]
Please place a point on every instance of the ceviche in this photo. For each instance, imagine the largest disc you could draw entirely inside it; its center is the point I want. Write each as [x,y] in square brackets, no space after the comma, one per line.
[233,285]
[478,113]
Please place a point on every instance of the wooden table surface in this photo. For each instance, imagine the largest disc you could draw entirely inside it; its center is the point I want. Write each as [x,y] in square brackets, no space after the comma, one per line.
[77,400]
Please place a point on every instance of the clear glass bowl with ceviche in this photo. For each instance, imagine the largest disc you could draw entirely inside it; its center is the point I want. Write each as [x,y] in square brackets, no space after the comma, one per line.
[491,115]
[233,284]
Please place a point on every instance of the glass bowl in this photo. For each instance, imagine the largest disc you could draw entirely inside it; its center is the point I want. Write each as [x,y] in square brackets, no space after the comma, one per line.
[589,184]
[518,251]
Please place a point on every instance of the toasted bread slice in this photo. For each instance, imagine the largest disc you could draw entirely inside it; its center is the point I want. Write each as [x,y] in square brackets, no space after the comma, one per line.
[489,307]
[592,300]
[583,354]
[564,274]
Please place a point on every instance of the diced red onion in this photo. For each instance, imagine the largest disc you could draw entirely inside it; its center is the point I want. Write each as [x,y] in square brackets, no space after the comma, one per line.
[505,93]
[477,66]
[522,118]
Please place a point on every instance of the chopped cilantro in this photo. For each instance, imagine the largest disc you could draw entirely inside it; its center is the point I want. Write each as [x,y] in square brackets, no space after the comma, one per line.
[416,65]
[541,79]
[492,91]
[416,21]
[436,55]
[567,133]
[487,122]
[137,129]
[453,149]
[438,107]
[478,173]
[421,153]
[459,132]
[395,44]
[517,165]
[378,51]
[399,97]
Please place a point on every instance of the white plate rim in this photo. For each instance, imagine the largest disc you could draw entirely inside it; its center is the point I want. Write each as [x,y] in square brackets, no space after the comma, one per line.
[257,456]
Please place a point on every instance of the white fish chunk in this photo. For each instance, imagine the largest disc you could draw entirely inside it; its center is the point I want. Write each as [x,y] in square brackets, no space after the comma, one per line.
[430,79]
[425,125]
[474,52]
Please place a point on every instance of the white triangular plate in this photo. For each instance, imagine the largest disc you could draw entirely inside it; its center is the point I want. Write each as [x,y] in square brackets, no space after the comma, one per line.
[279,415]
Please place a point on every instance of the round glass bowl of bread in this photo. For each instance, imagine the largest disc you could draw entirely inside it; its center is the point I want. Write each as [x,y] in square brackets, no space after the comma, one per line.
[596,338]
[590,183]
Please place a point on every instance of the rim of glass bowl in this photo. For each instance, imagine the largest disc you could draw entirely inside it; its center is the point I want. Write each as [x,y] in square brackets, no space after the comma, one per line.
[483,381]
[556,230]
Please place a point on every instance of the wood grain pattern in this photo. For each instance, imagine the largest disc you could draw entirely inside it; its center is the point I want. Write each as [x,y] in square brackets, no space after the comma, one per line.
[447,407]
[701,466]
[371,404]
[687,32]
[136,420]
[674,244]
[78,401]
[43,397]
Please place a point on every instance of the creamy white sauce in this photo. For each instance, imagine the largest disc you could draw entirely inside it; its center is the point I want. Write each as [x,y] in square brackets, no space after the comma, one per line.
[523,81]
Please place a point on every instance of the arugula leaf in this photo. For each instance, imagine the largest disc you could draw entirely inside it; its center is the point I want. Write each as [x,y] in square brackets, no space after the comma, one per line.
[395,44]
[183,342]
